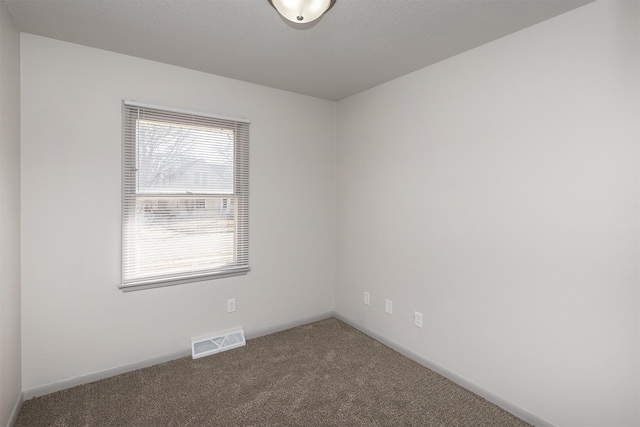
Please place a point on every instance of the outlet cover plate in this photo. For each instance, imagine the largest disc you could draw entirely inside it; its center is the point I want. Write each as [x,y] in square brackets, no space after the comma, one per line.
[417,319]
[388,307]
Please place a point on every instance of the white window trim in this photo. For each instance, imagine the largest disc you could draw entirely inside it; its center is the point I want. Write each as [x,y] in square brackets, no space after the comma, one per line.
[241,192]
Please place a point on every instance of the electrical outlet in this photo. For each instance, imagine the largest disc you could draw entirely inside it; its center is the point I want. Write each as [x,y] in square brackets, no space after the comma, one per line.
[388,308]
[367,298]
[231,305]
[417,319]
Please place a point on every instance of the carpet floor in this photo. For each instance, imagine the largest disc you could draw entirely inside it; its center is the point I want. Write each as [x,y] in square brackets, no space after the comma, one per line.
[322,374]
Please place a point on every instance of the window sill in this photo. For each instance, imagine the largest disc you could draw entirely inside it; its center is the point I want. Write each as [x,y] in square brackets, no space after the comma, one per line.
[161,283]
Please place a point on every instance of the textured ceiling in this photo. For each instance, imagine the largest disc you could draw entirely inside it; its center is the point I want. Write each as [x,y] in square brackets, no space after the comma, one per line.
[357,45]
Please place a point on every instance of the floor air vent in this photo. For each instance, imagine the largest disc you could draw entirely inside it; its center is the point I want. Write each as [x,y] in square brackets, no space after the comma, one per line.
[221,341]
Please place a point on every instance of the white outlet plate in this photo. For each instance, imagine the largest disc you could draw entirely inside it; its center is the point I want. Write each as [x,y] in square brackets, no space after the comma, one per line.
[231,305]
[367,298]
[388,307]
[417,319]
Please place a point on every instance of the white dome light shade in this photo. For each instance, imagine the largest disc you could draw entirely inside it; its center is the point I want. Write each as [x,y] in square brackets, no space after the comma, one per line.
[302,11]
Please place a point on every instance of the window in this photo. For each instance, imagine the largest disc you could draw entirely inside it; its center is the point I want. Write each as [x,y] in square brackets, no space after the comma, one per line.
[185,196]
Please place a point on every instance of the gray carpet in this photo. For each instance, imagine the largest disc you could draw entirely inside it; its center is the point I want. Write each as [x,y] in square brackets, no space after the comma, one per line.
[322,374]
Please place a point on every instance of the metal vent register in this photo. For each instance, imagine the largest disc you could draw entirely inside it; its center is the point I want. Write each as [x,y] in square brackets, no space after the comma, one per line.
[221,341]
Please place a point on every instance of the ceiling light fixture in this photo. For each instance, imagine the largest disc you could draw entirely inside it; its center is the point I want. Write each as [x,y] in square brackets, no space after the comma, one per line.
[302,11]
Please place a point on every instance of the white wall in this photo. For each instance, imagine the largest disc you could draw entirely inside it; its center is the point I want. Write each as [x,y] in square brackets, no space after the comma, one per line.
[75,319]
[10,358]
[497,193]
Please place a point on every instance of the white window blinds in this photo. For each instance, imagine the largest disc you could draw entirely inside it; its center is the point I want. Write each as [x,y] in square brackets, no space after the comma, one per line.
[185,196]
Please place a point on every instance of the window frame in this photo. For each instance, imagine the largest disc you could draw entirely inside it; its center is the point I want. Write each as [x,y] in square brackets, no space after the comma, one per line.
[133,111]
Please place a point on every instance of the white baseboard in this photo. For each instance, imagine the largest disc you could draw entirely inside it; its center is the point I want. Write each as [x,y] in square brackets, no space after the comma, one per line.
[256,333]
[15,411]
[516,410]
[84,379]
